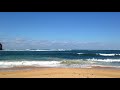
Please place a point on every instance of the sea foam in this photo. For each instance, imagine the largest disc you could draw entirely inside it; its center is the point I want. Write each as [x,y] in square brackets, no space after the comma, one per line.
[105,60]
[8,64]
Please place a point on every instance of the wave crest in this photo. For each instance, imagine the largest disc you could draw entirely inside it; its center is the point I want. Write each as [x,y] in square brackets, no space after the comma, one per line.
[97,54]
[109,54]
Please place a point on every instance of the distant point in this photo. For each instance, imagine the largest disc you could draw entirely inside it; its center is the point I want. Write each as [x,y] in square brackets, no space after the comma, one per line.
[1,46]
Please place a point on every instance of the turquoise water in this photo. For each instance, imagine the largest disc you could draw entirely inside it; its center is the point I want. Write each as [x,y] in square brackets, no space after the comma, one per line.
[71,58]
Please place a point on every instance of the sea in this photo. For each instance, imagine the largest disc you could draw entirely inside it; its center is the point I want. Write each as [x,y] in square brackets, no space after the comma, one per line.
[60,58]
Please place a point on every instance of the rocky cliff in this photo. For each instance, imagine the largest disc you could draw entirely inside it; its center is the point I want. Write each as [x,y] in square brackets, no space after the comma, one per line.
[0,46]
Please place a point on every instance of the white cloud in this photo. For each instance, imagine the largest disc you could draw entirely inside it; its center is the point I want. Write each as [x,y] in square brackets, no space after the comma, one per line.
[21,43]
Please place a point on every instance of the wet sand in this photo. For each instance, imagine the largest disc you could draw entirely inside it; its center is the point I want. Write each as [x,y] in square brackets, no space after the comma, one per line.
[28,72]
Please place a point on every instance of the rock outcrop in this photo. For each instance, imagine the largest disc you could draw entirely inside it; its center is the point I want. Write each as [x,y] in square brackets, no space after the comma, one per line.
[1,46]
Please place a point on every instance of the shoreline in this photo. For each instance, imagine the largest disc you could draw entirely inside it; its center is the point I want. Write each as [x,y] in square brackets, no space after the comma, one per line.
[50,72]
[21,68]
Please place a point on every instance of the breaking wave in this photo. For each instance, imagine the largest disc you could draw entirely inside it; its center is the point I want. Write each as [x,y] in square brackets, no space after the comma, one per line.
[9,64]
[97,54]
[60,63]
[109,54]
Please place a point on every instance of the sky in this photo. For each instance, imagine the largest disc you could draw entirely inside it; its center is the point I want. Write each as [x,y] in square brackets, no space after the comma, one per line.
[60,30]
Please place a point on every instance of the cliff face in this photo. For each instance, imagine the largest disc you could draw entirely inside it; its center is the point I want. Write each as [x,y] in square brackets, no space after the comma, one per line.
[0,46]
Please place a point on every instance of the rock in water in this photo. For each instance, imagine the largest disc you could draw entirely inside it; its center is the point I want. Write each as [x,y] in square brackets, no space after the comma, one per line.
[0,46]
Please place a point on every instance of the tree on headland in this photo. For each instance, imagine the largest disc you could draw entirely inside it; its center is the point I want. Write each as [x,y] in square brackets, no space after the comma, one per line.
[1,46]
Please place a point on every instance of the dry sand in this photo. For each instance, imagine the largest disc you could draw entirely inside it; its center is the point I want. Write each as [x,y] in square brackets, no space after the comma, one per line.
[62,73]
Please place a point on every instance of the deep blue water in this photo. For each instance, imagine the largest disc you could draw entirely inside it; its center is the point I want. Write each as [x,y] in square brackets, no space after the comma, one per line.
[73,54]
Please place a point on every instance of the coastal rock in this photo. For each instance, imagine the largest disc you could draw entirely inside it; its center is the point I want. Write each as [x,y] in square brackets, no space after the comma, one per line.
[0,46]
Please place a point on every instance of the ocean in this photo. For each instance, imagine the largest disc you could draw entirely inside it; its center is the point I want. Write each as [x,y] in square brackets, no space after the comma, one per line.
[65,58]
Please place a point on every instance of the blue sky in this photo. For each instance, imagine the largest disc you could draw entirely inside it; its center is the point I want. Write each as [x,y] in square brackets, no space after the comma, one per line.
[54,30]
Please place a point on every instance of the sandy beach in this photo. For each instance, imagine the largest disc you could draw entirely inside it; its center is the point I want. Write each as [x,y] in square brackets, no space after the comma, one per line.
[95,72]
